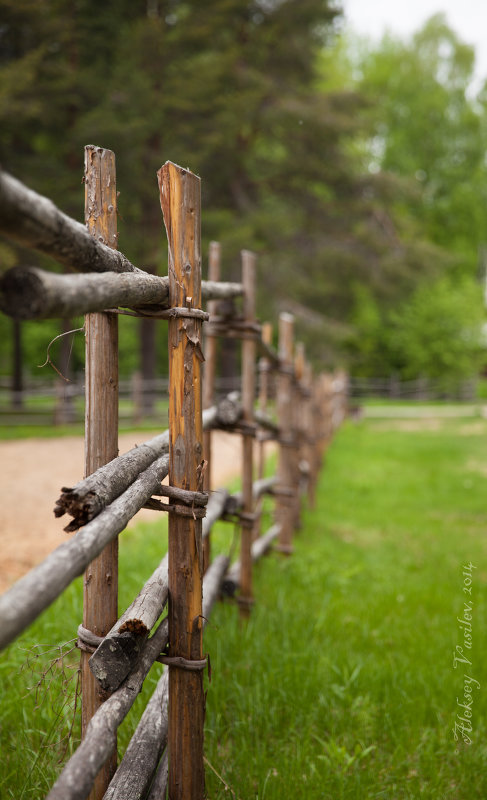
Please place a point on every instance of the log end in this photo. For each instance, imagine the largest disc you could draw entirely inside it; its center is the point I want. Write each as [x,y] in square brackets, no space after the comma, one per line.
[116,656]
[21,294]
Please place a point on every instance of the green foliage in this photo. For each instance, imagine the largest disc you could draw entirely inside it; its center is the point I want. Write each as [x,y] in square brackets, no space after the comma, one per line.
[429,131]
[340,170]
[439,333]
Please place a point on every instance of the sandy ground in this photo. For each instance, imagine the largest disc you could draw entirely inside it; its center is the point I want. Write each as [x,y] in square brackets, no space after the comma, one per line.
[33,472]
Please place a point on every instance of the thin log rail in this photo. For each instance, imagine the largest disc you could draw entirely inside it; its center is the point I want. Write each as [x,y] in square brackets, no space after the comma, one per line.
[33,293]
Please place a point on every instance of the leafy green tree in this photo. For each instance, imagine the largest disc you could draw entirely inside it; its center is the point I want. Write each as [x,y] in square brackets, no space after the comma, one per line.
[429,131]
[440,332]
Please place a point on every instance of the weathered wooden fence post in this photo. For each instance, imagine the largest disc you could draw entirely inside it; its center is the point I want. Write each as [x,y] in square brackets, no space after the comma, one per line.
[285,489]
[181,207]
[209,381]
[100,595]
[248,397]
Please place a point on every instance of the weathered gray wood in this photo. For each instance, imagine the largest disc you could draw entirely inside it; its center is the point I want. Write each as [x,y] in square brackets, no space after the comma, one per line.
[260,487]
[214,510]
[34,221]
[212,583]
[230,410]
[32,293]
[149,740]
[220,290]
[27,598]
[135,773]
[159,787]
[78,775]
[92,494]
[116,655]
[260,547]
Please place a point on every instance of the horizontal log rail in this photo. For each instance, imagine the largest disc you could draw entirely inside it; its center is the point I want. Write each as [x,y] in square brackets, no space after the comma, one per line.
[33,221]
[90,496]
[116,655]
[77,777]
[140,761]
[260,547]
[27,598]
[33,293]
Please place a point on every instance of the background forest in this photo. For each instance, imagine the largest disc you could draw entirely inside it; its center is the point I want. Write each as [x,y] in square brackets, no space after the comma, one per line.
[356,172]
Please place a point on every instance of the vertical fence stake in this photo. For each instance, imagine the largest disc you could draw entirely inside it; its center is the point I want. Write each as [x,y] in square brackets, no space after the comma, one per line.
[298,427]
[248,397]
[264,368]
[181,209]
[286,473]
[100,591]
[209,383]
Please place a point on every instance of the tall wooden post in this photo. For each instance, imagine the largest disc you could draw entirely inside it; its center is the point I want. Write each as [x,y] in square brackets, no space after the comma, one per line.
[100,595]
[299,417]
[286,488]
[264,367]
[181,209]
[209,382]
[248,397]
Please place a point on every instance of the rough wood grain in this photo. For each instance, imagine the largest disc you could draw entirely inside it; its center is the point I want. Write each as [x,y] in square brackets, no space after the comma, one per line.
[79,774]
[34,221]
[27,598]
[150,737]
[32,293]
[180,195]
[116,655]
[248,398]
[95,492]
[139,763]
[100,588]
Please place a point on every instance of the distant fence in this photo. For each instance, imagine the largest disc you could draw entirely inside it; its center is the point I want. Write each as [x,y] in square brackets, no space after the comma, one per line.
[117,653]
[417,389]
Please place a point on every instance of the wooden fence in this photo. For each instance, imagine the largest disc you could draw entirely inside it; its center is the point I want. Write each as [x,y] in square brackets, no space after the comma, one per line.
[117,653]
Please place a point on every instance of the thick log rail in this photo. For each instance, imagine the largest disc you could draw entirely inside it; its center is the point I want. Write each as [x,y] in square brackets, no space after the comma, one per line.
[166,750]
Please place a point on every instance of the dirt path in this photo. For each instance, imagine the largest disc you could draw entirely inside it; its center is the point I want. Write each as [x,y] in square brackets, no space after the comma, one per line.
[33,472]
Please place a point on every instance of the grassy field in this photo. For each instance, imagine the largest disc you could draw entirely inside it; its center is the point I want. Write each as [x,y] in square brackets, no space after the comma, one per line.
[342,684]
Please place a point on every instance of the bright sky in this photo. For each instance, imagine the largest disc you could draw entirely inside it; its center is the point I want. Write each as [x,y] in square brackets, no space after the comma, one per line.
[468,18]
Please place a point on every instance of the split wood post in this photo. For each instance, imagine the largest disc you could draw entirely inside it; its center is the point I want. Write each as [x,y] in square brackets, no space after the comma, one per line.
[264,368]
[248,398]
[209,382]
[100,590]
[180,195]
[286,473]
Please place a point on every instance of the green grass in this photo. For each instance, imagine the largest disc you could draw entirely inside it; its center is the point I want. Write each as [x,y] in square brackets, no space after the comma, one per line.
[342,684]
